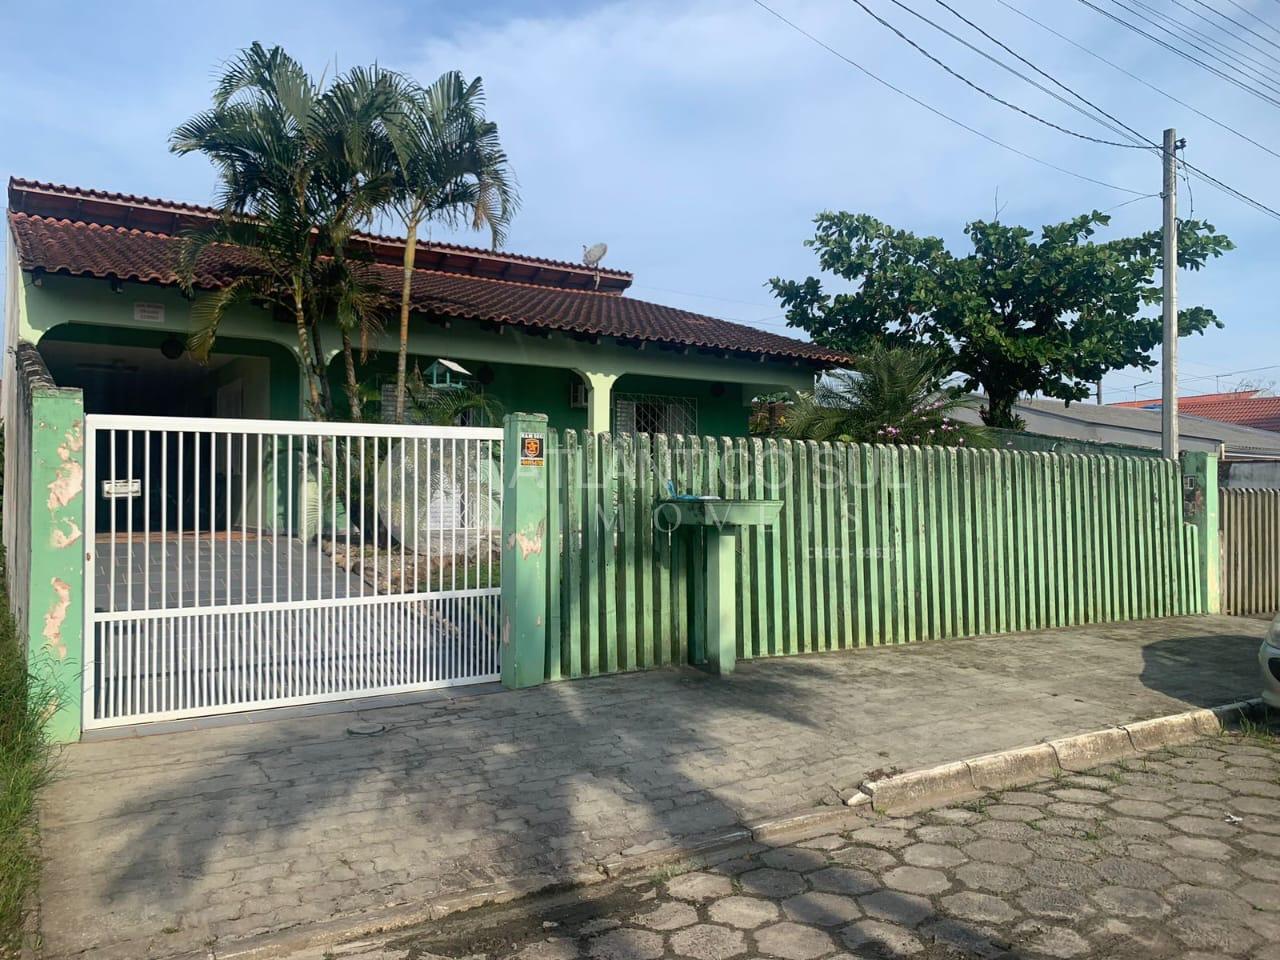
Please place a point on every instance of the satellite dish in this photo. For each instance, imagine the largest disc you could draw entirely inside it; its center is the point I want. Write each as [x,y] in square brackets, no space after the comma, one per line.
[593,254]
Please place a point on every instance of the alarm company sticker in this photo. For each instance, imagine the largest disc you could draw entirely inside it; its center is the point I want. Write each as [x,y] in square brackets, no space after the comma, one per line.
[531,449]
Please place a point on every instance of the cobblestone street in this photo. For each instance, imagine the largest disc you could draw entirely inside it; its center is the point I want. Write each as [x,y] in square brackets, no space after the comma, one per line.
[230,831]
[1175,855]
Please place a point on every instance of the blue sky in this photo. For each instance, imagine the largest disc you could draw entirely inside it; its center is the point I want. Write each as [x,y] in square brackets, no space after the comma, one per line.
[699,138]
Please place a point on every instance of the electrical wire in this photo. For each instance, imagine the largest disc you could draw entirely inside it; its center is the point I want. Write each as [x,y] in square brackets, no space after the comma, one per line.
[934,110]
[982,90]
[1208,38]
[1133,76]
[1127,202]
[1244,9]
[1203,174]
[1243,26]
[1235,60]
[1115,124]
[1186,178]
[1194,38]
[1267,98]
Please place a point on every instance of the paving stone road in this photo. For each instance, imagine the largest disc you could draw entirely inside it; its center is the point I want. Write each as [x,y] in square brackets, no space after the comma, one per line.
[155,846]
[1174,855]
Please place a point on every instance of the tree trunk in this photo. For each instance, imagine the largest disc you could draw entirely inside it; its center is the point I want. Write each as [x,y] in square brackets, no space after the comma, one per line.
[322,378]
[304,350]
[406,290]
[353,386]
[999,410]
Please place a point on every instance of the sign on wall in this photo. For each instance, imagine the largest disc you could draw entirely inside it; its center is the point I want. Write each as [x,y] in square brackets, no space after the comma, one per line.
[532,449]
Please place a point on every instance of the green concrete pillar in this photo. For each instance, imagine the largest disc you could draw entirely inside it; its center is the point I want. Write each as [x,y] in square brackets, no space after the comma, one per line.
[720,611]
[1200,506]
[525,542]
[55,582]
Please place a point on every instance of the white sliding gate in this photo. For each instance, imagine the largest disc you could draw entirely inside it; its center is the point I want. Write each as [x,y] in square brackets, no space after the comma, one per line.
[239,564]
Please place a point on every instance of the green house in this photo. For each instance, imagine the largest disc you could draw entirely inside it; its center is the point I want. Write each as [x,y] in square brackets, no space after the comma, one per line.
[93,286]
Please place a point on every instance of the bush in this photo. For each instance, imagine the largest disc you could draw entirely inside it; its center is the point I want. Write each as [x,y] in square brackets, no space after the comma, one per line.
[25,767]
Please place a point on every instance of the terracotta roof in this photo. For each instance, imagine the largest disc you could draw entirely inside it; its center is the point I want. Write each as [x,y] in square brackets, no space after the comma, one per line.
[1244,408]
[59,201]
[77,247]
[1199,398]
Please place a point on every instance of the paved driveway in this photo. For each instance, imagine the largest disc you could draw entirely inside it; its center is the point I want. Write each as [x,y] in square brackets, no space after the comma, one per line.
[164,843]
[1175,855]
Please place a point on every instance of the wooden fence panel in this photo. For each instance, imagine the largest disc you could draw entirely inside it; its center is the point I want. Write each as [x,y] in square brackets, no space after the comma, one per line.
[875,544]
[1250,527]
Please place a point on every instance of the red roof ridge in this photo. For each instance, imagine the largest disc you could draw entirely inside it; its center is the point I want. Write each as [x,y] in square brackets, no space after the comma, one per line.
[1223,397]
[135,232]
[178,206]
[91,225]
[86,249]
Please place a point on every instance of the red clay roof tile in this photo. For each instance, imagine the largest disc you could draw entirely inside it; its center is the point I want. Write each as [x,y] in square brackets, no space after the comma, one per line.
[78,248]
[1243,407]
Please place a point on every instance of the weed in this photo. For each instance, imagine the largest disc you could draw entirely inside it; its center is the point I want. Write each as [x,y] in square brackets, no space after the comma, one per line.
[25,767]
[670,871]
[1261,731]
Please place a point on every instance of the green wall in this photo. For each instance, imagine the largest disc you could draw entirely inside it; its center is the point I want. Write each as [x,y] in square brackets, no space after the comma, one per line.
[531,372]
[283,383]
[547,390]
[875,545]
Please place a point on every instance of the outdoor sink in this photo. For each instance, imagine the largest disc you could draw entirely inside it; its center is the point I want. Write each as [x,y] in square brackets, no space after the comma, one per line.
[715,626]
[720,513]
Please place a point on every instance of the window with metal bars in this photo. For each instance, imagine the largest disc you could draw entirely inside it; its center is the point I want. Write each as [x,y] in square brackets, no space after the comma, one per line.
[654,413]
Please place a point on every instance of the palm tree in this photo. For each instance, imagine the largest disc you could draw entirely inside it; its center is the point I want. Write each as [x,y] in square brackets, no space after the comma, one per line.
[298,171]
[449,167]
[891,395]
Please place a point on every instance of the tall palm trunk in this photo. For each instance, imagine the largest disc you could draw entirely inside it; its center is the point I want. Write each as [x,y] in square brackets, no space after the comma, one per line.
[406,291]
[353,385]
[304,351]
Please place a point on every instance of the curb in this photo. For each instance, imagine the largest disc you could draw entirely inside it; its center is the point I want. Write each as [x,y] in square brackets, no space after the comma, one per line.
[696,853]
[908,792]
[968,779]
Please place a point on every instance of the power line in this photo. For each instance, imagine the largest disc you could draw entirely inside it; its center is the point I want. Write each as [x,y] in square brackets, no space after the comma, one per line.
[1181,53]
[1116,125]
[1214,40]
[965,80]
[1243,26]
[1133,76]
[934,110]
[1127,202]
[1244,9]
[1233,59]
[1122,126]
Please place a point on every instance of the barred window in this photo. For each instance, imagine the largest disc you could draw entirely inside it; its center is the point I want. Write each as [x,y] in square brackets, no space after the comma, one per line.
[653,413]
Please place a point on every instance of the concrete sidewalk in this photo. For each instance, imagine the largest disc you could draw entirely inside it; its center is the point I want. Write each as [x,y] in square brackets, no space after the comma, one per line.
[158,845]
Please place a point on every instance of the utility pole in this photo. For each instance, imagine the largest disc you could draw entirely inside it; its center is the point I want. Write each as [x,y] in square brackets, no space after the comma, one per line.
[1099,387]
[1169,346]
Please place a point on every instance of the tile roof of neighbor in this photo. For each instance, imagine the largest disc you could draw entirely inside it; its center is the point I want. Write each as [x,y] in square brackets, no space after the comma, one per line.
[93,233]
[1080,421]
[1243,408]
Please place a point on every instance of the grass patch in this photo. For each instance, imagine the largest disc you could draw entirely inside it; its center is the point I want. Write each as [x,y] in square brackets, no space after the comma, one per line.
[1263,730]
[25,767]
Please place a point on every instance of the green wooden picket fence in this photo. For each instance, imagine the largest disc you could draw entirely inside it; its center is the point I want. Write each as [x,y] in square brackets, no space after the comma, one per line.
[875,545]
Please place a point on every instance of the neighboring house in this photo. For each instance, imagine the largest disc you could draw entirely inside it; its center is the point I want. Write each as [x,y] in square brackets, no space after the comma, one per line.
[1245,408]
[1124,426]
[92,283]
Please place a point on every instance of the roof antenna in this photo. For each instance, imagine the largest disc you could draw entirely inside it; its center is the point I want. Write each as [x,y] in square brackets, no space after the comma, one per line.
[592,256]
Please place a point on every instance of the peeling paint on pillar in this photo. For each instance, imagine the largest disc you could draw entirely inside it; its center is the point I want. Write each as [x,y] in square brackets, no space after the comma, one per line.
[56,601]
[524,550]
